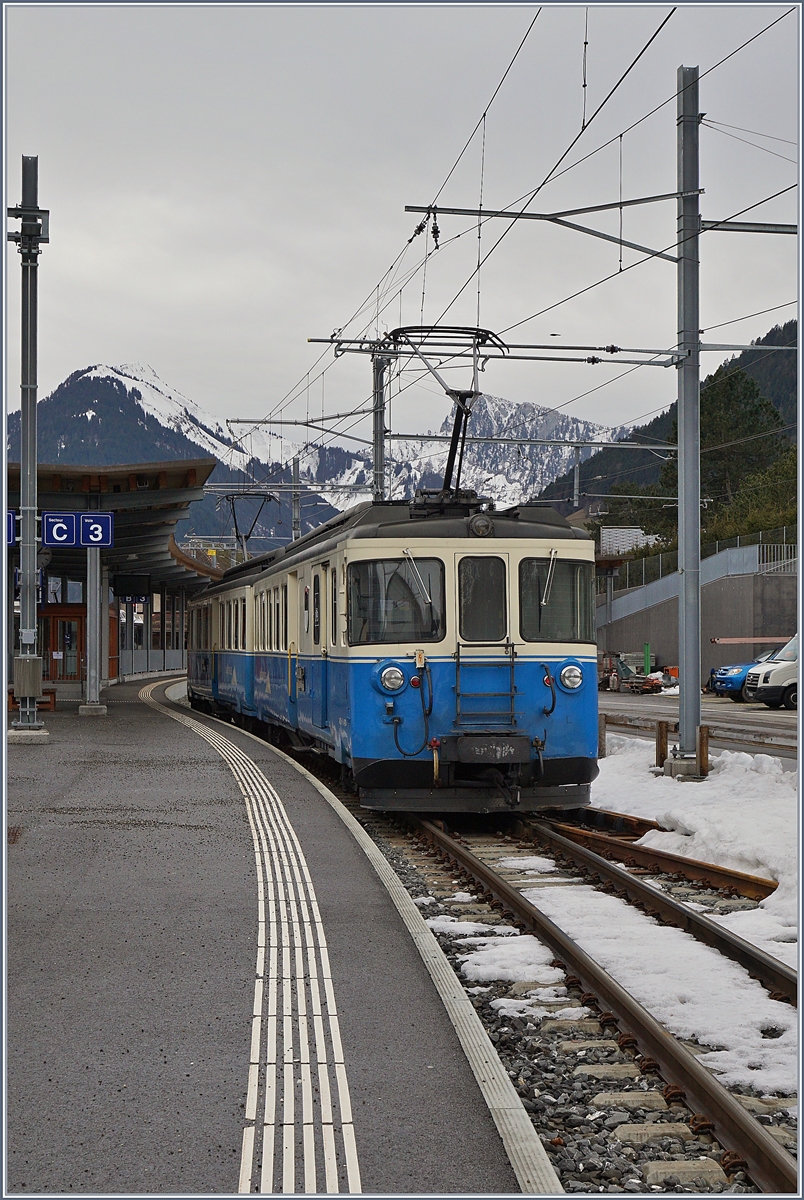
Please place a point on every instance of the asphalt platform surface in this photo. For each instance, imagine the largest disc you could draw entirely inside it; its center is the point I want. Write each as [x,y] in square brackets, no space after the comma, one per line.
[132,915]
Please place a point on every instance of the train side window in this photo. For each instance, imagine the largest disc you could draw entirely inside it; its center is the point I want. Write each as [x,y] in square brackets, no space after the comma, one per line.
[481,599]
[333,633]
[556,605]
[285,616]
[236,625]
[316,609]
[243,623]
[228,641]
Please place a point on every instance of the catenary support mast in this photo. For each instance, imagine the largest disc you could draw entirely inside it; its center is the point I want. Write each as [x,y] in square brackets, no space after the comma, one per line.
[379,365]
[27,661]
[689,417]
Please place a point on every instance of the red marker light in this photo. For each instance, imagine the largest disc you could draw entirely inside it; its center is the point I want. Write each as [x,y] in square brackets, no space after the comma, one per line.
[415,681]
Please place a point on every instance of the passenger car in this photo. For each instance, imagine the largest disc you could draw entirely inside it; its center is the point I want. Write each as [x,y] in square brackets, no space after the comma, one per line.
[441,651]
[730,681]
[778,685]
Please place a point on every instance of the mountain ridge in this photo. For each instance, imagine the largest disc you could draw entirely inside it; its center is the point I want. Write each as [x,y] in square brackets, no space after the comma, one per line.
[87,418]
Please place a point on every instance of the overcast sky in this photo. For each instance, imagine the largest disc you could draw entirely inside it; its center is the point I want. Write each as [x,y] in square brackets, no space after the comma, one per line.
[225,182]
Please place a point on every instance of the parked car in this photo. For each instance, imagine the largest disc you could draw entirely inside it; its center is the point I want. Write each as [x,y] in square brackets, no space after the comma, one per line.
[778,685]
[730,681]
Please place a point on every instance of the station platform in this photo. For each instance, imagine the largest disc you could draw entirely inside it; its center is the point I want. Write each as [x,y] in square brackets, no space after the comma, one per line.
[210,989]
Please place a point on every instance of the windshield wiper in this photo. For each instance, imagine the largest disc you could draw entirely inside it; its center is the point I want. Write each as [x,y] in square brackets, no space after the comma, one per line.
[551,570]
[425,593]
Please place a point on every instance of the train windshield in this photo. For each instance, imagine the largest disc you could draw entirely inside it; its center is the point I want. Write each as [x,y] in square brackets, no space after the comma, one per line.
[396,600]
[556,601]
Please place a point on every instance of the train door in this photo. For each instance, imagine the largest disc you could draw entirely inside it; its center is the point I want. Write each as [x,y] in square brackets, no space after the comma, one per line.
[320,658]
[484,670]
[216,617]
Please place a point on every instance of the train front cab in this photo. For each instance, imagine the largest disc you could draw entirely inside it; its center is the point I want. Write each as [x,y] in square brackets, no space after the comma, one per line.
[502,712]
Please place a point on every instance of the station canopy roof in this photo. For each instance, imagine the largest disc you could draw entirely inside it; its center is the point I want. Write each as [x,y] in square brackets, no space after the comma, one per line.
[147,499]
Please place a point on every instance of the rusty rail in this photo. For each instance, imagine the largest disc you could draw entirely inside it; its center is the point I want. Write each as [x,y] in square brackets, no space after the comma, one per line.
[752,886]
[770,1167]
[778,978]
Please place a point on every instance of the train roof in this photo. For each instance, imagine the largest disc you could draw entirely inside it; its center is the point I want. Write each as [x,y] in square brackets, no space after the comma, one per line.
[429,515]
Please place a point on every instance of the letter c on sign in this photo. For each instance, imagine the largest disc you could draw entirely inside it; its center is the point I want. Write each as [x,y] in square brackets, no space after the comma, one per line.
[59,531]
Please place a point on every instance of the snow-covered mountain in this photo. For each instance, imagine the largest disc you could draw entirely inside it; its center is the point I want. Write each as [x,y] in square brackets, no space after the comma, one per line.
[174,411]
[509,473]
[127,413]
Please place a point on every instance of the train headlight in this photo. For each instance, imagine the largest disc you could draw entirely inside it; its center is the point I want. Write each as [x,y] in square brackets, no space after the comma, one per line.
[571,677]
[392,679]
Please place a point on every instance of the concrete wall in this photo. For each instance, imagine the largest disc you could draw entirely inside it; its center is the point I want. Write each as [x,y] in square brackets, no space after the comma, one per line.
[732,606]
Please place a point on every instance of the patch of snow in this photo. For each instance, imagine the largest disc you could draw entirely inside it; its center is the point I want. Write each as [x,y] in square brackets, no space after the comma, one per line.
[423,901]
[461,898]
[456,928]
[744,817]
[90,413]
[689,987]
[514,959]
[532,1010]
[531,864]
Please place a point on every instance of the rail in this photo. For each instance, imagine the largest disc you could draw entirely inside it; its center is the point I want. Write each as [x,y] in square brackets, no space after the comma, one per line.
[770,1167]
[778,978]
[752,886]
[757,741]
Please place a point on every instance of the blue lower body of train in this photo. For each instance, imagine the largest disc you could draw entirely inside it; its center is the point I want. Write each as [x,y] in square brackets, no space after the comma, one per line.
[483,736]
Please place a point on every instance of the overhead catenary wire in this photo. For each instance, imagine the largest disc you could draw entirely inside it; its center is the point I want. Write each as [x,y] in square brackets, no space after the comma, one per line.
[754,132]
[397,262]
[761,313]
[555,167]
[745,141]
[670,98]
[585,47]
[648,258]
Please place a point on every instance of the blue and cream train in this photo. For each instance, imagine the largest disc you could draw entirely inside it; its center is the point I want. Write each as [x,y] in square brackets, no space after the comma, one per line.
[443,653]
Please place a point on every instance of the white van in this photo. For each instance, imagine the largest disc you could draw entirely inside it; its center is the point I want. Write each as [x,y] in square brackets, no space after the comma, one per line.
[776,683]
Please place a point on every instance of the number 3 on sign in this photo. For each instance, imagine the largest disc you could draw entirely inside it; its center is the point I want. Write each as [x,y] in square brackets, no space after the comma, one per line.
[97,529]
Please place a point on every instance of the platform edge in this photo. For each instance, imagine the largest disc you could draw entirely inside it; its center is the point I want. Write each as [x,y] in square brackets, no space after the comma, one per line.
[529,1160]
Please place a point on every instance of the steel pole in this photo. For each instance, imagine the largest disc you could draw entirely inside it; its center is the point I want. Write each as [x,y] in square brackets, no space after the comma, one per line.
[93,707]
[689,420]
[28,665]
[295,502]
[576,479]
[379,366]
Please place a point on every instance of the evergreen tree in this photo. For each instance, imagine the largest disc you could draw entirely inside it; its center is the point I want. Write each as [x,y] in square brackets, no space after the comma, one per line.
[739,437]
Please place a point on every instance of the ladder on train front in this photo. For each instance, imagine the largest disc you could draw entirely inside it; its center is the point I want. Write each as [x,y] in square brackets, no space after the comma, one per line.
[485,707]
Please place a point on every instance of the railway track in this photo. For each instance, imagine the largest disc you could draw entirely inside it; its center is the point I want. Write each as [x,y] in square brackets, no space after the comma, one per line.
[614,835]
[780,980]
[751,730]
[743,1138]
[702,1136]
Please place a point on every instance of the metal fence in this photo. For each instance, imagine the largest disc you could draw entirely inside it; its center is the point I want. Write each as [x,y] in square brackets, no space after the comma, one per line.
[777,554]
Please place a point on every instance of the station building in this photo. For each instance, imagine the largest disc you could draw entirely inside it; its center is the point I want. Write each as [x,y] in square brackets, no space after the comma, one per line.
[145,578]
